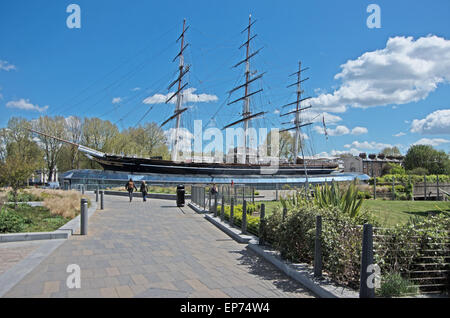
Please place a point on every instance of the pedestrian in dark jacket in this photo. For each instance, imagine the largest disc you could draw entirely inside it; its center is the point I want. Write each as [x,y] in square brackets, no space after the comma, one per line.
[144,190]
[130,187]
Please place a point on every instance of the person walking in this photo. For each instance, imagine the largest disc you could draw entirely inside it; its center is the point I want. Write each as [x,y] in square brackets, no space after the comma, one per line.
[213,192]
[130,187]
[144,190]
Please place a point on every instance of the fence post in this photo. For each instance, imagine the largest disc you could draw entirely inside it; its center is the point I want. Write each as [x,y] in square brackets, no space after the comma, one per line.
[232,212]
[318,248]
[262,223]
[253,195]
[215,204]
[375,188]
[366,291]
[425,187]
[244,217]
[284,213]
[204,198]
[393,188]
[84,217]
[412,189]
[222,212]
[209,203]
[437,187]
[102,200]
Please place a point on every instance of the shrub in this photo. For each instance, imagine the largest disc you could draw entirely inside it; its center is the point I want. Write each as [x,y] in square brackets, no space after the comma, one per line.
[394,285]
[364,195]
[398,248]
[23,196]
[295,239]
[11,222]
[252,221]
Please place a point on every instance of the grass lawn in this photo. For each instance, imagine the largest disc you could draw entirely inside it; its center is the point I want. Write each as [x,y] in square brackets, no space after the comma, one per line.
[389,213]
[35,219]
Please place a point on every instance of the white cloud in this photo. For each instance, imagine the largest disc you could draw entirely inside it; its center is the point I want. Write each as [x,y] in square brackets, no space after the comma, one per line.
[338,131]
[359,131]
[431,142]
[367,145]
[341,130]
[436,123]
[406,70]
[399,134]
[136,89]
[6,66]
[26,105]
[116,100]
[188,96]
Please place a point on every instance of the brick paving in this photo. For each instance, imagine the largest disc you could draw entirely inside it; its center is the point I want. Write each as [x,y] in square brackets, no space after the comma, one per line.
[13,253]
[155,249]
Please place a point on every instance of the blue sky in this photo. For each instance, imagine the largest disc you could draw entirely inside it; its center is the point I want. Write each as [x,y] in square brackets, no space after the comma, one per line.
[393,93]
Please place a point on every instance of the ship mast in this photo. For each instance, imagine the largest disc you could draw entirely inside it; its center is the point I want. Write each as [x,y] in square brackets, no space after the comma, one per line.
[246,112]
[179,93]
[297,120]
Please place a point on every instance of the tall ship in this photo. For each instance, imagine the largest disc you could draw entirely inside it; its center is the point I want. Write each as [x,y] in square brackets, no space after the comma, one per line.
[247,166]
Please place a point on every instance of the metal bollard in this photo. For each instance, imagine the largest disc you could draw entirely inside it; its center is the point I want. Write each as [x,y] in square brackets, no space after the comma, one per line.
[84,217]
[102,200]
[262,223]
[96,195]
[318,248]
[366,291]
[82,189]
[244,217]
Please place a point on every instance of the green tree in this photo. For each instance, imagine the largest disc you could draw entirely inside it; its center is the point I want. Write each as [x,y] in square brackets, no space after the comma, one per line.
[15,172]
[425,156]
[393,168]
[391,151]
[20,155]
[52,126]
[98,134]
[149,140]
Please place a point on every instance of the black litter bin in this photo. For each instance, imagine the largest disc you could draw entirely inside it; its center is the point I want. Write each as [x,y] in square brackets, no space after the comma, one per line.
[180,195]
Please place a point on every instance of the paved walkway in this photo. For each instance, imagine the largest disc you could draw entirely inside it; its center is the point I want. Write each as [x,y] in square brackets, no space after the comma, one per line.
[14,252]
[155,249]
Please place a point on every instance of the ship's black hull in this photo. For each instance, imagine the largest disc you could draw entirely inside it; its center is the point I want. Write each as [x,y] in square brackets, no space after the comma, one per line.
[138,165]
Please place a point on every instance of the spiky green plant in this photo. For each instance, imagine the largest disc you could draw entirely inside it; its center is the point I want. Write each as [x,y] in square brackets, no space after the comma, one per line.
[347,201]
